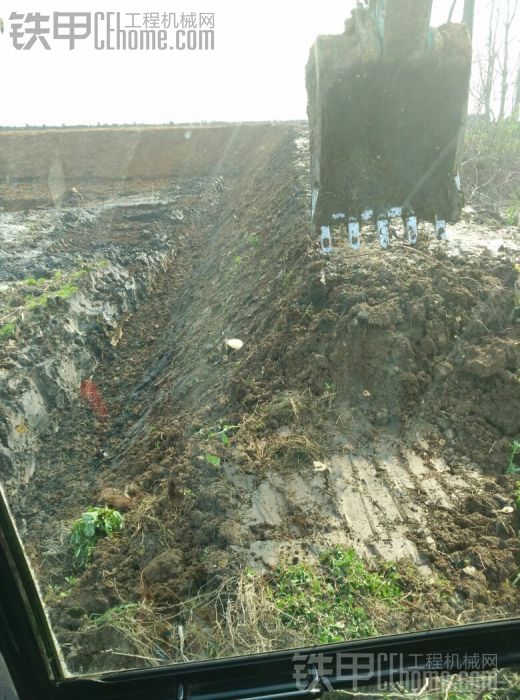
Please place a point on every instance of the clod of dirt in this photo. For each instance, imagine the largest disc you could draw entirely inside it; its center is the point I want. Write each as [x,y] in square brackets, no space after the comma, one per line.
[165,567]
[115,499]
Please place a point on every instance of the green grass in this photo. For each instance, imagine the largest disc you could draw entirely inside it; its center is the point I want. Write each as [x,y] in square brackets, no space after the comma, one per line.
[66,291]
[33,302]
[331,601]
[114,615]
[7,331]
[513,214]
[512,467]
[33,282]
[60,285]
[38,292]
[89,528]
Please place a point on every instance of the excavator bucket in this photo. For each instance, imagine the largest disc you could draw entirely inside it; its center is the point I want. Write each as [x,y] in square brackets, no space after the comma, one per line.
[387,104]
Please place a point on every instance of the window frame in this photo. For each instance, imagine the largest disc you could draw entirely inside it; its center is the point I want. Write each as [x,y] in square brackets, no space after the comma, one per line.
[32,657]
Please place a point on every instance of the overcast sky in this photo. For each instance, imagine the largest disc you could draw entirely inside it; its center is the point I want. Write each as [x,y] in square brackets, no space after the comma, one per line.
[255,72]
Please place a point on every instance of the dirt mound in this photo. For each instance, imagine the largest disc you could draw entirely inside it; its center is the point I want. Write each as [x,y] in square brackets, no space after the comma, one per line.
[372,406]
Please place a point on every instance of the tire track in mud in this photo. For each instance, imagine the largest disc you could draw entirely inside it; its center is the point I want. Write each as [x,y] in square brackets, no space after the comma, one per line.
[376,502]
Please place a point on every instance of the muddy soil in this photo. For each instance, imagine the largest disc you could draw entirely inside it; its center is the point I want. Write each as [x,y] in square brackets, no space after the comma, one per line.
[372,405]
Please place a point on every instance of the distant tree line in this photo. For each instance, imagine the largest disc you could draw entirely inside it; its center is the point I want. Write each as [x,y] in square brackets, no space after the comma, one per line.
[496,69]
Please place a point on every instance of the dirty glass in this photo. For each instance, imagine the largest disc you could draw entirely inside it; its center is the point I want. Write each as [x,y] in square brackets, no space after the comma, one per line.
[255,392]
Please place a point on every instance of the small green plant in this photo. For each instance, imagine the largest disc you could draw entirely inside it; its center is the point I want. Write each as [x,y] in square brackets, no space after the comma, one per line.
[512,215]
[516,495]
[86,531]
[7,331]
[331,601]
[222,433]
[512,467]
[204,555]
[212,459]
[53,592]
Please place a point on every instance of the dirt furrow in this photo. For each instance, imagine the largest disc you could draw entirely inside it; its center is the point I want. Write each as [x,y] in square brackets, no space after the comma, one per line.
[372,405]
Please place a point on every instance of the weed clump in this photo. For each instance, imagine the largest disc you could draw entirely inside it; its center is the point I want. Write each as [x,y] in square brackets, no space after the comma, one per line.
[512,467]
[332,601]
[7,331]
[89,528]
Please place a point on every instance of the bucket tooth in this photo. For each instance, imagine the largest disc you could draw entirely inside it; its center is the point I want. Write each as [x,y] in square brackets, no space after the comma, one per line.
[440,229]
[354,233]
[410,225]
[383,231]
[325,240]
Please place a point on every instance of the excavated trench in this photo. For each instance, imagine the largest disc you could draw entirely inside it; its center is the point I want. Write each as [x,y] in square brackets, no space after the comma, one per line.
[372,405]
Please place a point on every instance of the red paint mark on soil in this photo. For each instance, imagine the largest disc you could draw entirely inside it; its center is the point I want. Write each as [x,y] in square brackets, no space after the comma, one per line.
[89,391]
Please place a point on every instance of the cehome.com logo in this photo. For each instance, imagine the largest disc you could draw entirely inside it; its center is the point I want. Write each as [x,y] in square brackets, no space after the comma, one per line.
[114,31]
